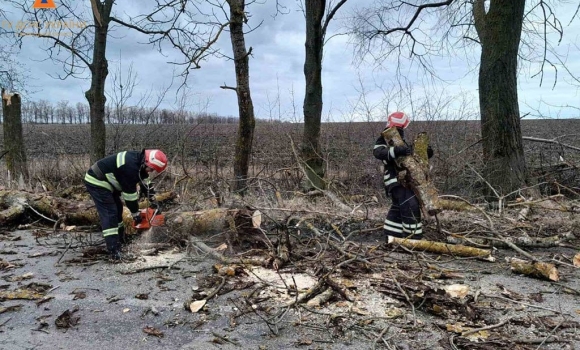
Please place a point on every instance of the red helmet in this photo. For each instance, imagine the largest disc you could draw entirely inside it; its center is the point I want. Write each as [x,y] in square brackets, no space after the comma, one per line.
[398,119]
[155,159]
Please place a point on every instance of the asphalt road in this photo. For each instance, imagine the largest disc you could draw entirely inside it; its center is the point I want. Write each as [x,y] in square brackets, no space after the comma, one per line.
[109,315]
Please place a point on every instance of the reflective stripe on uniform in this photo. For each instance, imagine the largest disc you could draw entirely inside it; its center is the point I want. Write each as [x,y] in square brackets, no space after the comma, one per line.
[130,196]
[113,181]
[121,159]
[413,228]
[390,181]
[392,223]
[379,146]
[121,224]
[392,152]
[393,226]
[94,181]
[392,229]
[110,231]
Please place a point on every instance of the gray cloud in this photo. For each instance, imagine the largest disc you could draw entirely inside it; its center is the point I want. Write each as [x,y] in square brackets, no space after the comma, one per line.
[276,69]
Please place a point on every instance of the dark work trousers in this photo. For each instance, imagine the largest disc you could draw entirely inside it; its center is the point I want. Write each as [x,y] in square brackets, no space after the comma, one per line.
[404,217]
[110,209]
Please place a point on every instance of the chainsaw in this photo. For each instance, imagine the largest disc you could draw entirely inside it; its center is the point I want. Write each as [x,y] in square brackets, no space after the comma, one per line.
[150,217]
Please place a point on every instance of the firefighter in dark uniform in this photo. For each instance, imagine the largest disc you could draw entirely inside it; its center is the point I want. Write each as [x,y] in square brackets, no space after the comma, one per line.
[404,217]
[118,175]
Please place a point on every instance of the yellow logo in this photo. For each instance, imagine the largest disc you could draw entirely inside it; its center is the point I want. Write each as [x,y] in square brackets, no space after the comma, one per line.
[44,4]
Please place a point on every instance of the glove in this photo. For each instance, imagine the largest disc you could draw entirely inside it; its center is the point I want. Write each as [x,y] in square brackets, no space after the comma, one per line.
[430,152]
[401,151]
[136,218]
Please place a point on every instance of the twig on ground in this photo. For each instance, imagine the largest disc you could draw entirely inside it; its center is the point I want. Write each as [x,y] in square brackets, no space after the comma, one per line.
[521,303]
[218,288]
[475,330]
[406,297]
[380,336]
[549,335]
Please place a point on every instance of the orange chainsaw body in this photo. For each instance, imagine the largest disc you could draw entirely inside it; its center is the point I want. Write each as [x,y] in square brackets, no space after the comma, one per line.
[150,218]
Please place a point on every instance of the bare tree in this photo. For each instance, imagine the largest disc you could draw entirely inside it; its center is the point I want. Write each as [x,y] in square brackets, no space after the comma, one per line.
[397,29]
[85,42]
[247,120]
[499,31]
[317,20]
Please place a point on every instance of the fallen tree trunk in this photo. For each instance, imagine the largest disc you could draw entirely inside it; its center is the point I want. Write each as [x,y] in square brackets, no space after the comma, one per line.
[238,224]
[442,248]
[417,169]
[214,221]
[19,204]
[528,242]
[536,269]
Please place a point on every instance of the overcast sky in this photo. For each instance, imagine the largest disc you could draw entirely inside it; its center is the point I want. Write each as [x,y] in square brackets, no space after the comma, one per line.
[351,91]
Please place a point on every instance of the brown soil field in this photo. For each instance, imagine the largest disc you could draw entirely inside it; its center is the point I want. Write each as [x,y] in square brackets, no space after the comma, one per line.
[58,152]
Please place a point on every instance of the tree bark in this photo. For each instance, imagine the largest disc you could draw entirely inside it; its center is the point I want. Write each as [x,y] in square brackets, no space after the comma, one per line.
[310,150]
[416,173]
[499,31]
[99,71]
[13,138]
[536,269]
[442,248]
[238,224]
[245,106]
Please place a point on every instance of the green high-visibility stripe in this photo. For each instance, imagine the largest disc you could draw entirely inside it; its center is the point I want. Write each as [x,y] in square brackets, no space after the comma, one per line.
[130,196]
[113,181]
[121,159]
[90,179]
[110,231]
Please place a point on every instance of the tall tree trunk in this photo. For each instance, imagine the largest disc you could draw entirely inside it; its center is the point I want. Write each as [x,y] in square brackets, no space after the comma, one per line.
[99,71]
[310,151]
[499,31]
[13,139]
[247,120]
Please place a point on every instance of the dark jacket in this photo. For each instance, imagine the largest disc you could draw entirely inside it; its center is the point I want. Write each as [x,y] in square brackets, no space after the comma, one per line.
[386,153]
[120,173]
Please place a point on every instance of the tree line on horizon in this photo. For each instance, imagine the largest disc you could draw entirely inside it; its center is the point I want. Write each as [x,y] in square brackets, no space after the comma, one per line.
[63,112]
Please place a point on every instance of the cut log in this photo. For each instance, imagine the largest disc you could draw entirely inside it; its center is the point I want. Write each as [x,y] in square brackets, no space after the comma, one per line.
[528,242]
[237,225]
[18,203]
[417,169]
[448,204]
[536,269]
[442,248]
[212,221]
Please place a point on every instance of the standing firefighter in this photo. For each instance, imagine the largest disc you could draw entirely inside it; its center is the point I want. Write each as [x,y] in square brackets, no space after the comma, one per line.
[404,217]
[118,175]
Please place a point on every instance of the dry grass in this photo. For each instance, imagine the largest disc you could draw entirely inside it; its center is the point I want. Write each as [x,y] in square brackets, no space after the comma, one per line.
[201,156]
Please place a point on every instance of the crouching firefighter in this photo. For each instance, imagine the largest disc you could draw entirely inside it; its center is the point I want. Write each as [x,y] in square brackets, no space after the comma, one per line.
[118,175]
[404,217]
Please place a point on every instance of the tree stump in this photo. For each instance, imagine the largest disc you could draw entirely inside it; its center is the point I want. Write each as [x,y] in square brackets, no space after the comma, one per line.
[13,140]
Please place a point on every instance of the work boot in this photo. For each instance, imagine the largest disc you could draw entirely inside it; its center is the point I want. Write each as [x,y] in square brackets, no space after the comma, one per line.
[393,234]
[123,239]
[113,247]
